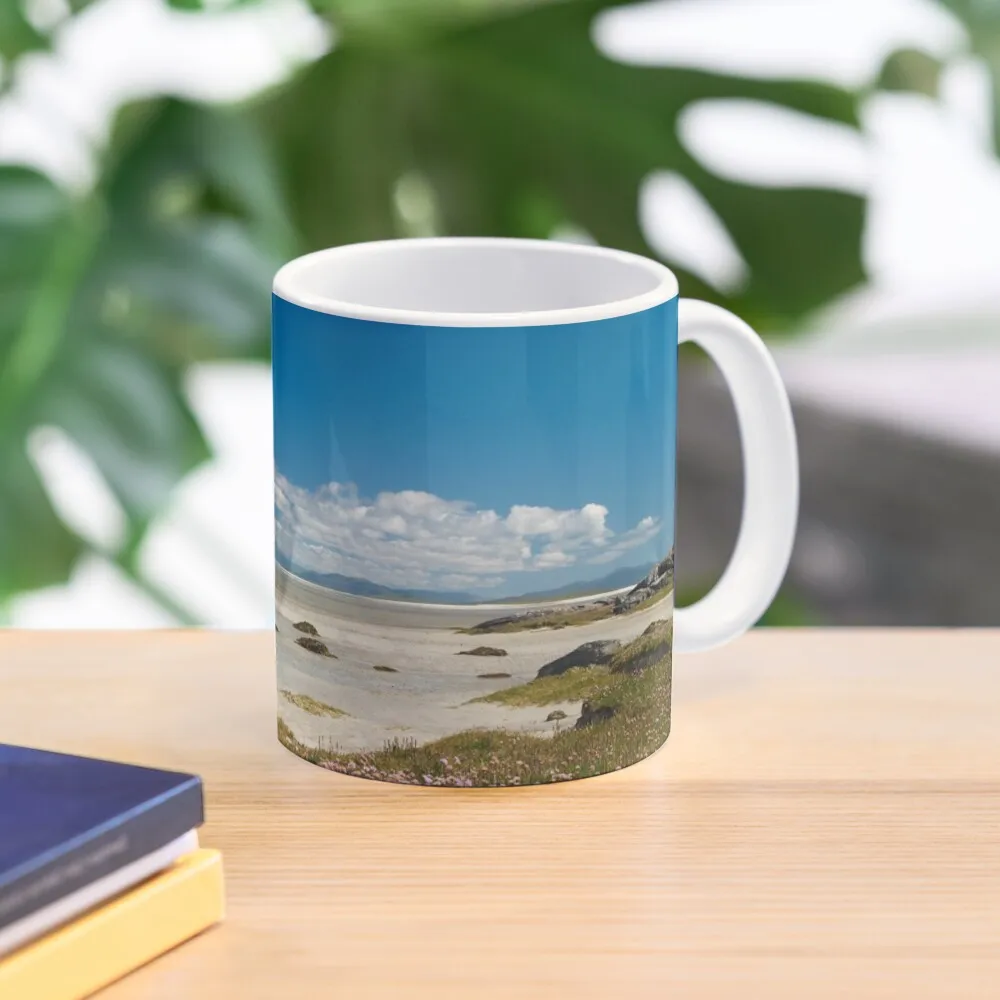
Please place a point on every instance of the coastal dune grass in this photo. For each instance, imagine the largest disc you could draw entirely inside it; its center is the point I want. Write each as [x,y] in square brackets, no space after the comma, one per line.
[311,705]
[600,684]
[635,687]
[577,684]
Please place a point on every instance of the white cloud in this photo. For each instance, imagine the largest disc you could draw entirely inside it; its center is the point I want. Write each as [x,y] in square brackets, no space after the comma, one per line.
[646,529]
[420,541]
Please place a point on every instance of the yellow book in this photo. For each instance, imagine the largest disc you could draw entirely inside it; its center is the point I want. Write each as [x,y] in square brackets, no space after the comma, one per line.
[113,940]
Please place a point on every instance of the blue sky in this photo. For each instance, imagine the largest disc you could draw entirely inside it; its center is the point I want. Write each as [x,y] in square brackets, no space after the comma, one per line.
[494,461]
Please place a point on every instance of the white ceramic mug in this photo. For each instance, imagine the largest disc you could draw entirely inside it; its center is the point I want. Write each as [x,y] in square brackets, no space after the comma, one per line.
[475,451]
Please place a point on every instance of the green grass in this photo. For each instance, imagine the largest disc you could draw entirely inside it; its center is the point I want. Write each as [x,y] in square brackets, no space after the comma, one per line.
[588,683]
[312,706]
[576,684]
[641,701]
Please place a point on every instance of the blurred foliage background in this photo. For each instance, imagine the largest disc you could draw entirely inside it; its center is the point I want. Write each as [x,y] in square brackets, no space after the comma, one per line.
[497,117]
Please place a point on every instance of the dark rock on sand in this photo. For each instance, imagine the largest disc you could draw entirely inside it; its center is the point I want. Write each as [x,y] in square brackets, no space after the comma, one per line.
[306,627]
[494,624]
[315,646]
[493,677]
[384,669]
[589,715]
[483,651]
[590,654]
[555,716]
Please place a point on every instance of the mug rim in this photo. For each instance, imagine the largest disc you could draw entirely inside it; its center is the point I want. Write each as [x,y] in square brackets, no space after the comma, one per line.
[286,285]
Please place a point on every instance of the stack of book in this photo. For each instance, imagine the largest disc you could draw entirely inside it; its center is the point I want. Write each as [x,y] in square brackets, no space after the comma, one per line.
[100,871]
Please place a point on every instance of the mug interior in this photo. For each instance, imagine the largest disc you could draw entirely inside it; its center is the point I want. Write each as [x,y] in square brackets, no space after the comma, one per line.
[475,281]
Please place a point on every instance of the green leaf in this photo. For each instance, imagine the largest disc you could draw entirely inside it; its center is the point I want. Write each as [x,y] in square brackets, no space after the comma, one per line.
[33,214]
[36,549]
[197,5]
[17,34]
[198,230]
[911,70]
[337,136]
[982,18]
[129,414]
[515,121]
[36,277]
[918,71]
[401,19]
[105,302]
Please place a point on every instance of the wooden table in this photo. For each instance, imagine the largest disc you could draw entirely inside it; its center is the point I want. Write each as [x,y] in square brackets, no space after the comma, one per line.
[824,822]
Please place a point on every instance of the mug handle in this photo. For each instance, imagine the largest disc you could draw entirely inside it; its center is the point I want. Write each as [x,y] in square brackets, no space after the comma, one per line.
[771,484]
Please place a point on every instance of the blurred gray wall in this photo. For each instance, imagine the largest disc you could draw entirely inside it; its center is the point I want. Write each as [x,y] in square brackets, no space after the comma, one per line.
[895,529]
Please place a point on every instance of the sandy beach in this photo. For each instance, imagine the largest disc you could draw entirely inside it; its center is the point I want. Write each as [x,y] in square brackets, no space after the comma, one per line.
[428,694]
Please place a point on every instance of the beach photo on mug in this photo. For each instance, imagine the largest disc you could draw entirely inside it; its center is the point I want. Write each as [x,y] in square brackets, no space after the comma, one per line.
[474,580]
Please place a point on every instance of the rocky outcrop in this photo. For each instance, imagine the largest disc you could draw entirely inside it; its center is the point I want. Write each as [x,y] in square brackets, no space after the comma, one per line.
[591,715]
[306,627]
[499,624]
[482,651]
[590,654]
[314,646]
[658,579]
[648,650]
[555,716]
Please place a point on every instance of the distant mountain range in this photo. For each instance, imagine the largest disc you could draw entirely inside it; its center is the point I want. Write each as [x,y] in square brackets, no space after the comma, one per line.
[626,576]
[615,580]
[365,588]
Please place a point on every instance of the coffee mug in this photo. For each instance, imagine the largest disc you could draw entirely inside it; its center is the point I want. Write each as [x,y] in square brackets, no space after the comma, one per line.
[474,506]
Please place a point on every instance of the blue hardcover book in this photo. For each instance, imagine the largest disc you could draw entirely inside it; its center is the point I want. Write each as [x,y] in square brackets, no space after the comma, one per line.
[66,822]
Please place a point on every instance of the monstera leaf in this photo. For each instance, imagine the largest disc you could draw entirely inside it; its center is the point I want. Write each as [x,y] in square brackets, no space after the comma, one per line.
[17,34]
[202,4]
[21,33]
[513,122]
[105,302]
[35,548]
[917,71]
[982,18]
[496,116]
